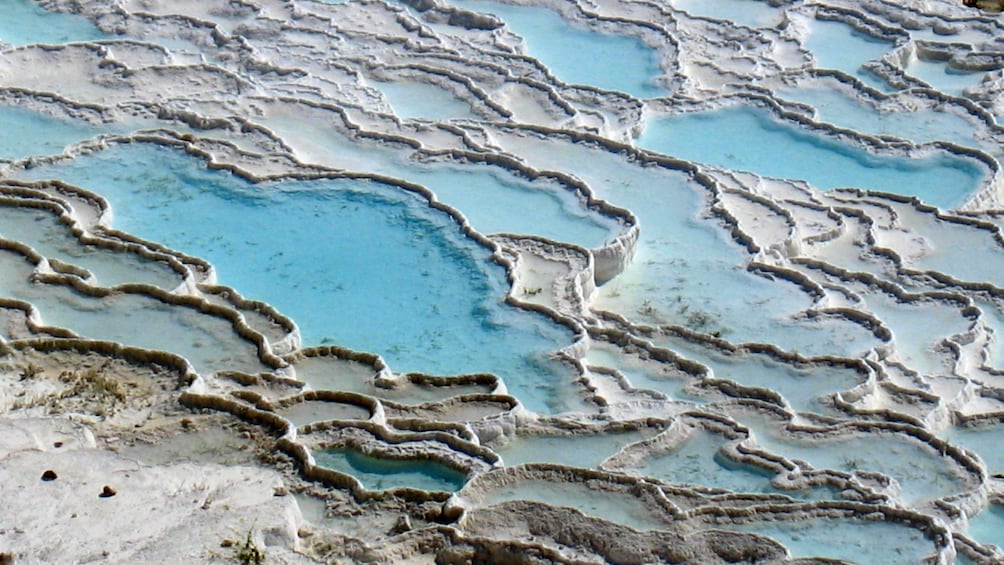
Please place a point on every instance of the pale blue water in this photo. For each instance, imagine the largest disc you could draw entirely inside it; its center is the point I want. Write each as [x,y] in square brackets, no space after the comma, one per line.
[993,318]
[333,373]
[983,256]
[940,76]
[917,329]
[576,55]
[309,411]
[743,133]
[368,266]
[921,472]
[496,201]
[685,260]
[412,99]
[839,46]
[802,388]
[987,527]
[46,234]
[383,474]
[641,375]
[854,541]
[582,450]
[985,441]
[24,22]
[698,461]
[839,108]
[491,198]
[364,265]
[208,342]
[29,133]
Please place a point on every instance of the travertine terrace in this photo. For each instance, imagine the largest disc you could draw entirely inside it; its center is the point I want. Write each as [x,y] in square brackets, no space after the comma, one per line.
[402,281]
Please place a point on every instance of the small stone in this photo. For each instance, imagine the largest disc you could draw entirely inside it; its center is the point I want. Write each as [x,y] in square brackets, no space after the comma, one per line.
[280,490]
[107,492]
[402,525]
[227,543]
[49,475]
[57,444]
[944,28]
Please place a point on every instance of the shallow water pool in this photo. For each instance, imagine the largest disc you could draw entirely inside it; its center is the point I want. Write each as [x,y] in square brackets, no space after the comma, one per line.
[29,133]
[840,46]
[987,527]
[854,541]
[25,22]
[364,265]
[376,473]
[741,133]
[577,55]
